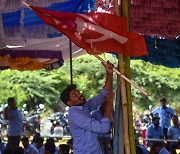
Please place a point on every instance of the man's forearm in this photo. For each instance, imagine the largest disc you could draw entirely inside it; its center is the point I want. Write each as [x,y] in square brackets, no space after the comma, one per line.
[108,82]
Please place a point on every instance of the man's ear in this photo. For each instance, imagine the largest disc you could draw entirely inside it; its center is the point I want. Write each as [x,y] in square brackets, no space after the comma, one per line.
[69,103]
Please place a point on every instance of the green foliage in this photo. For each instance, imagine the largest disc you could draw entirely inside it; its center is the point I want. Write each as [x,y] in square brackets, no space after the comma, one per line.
[30,87]
[35,87]
[158,81]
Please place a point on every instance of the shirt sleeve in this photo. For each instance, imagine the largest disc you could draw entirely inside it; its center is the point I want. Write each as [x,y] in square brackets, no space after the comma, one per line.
[148,132]
[93,103]
[86,122]
[169,132]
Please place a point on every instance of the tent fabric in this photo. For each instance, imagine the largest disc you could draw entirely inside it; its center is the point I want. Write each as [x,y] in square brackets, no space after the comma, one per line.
[29,40]
[29,59]
[162,52]
[156,18]
[26,23]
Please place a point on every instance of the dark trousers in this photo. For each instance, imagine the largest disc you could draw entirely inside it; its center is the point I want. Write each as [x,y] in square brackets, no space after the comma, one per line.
[173,148]
[13,142]
[105,144]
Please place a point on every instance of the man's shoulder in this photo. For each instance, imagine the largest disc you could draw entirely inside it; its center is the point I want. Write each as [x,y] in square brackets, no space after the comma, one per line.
[156,109]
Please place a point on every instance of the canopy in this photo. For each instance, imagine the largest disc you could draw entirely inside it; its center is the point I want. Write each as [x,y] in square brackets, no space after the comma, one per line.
[21,30]
[157,20]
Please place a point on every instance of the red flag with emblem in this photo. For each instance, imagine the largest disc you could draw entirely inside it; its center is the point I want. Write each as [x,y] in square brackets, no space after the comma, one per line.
[95,32]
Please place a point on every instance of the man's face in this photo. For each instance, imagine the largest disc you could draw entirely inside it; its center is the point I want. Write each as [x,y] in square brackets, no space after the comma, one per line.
[12,105]
[156,122]
[25,144]
[175,120]
[163,103]
[76,98]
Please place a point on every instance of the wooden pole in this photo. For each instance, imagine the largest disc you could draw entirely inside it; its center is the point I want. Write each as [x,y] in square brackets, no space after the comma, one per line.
[123,92]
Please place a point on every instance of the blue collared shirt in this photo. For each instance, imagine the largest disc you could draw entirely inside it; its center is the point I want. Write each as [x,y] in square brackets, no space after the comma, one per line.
[84,128]
[164,151]
[15,122]
[165,115]
[174,132]
[154,133]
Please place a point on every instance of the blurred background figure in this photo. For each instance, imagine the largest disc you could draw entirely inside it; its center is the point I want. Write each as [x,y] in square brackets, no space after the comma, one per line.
[174,133]
[49,148]
[2,146]
[165,114]
[28,148]
[15,123]
[64,149]
[70,144]
[158,148]
[154,131]
[39,145]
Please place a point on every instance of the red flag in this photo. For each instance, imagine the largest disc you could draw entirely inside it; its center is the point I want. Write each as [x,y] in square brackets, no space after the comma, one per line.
[95,32]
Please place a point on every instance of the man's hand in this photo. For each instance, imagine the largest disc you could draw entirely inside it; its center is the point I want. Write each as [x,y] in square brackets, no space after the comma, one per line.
[108,67]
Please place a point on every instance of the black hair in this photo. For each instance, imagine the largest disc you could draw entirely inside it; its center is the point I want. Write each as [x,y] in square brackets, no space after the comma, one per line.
[50,147]
[24,138]
[10,99]
[65,95]
[163,100]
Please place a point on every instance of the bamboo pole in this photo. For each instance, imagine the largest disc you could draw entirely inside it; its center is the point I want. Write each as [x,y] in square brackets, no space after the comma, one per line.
[123,92]
[126,13]
[123,76]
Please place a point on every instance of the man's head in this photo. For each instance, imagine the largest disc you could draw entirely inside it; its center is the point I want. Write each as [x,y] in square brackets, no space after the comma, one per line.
[155,121]
[25,141]
[163,102]
[72,97]
[175,120]
[11,103]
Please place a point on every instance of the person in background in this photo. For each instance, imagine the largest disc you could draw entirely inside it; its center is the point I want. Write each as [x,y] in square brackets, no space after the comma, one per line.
[19,150]
[36,135]
[15,123]
[82,125]
[49,148]
[70,144]
[154,131]
[2,146]
[28,148]
[140,148]
[165,114]
[64,149]
[39,145]
[174,133]
[158,148]
[52,141]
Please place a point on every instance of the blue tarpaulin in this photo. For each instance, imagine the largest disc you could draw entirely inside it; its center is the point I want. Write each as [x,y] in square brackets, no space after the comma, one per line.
[162,52]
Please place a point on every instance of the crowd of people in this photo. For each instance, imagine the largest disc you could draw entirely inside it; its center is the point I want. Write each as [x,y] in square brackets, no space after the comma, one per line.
[90,123]
[37,146]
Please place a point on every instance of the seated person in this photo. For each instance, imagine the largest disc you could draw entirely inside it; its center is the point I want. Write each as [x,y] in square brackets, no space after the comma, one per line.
[28,148]
[154,131]
[174,133]
[158,148]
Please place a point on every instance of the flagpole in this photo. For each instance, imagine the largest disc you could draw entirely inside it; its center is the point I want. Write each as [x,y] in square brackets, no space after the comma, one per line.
[123,76]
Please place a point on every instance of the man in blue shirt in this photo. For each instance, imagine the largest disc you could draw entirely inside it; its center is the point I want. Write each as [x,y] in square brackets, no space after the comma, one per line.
[15,123]
[154,131]
[158,148]
[165,114]
[84,128]
[174,133]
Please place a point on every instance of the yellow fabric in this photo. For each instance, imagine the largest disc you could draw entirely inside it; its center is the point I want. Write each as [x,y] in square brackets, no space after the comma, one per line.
[24,63]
